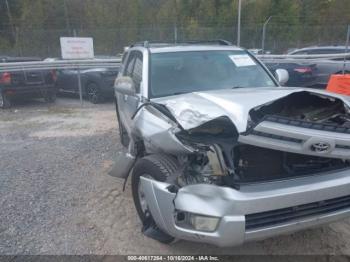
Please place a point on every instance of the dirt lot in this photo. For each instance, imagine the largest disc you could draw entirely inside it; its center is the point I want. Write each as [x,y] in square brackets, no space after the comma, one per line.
[56,196]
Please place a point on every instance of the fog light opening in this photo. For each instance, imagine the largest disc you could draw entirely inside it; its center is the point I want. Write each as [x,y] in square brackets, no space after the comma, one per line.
[203,223]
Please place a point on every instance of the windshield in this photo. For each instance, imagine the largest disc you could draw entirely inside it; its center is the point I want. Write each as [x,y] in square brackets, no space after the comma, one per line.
[185,72]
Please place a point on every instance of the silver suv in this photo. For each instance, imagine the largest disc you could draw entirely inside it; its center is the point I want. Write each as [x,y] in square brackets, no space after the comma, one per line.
[220,153]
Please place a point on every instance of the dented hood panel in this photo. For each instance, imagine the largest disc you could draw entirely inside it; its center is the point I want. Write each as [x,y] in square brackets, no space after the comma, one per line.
[193,109]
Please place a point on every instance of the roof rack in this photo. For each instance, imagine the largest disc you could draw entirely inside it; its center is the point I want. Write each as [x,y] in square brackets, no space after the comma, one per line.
[216,41]
[148,44]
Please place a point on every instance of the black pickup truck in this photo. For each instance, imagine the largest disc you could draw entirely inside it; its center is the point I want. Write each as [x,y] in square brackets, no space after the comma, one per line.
[26,83]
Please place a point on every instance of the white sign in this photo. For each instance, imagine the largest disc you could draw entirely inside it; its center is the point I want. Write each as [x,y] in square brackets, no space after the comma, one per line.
[242,60]
[77,47]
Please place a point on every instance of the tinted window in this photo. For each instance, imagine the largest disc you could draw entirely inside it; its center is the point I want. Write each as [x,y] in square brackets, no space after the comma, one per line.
[130,65]
[124,56]
[184,72]
[133,68]
[326,51]
[300,53]
[137,71]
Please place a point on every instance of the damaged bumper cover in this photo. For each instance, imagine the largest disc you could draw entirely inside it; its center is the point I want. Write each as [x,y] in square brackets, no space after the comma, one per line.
[254,212]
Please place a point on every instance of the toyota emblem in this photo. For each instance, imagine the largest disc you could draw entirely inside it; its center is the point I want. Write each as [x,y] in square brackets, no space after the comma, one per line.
[320,147]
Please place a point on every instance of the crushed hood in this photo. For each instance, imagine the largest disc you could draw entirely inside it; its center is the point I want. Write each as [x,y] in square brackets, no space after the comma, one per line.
[193,109]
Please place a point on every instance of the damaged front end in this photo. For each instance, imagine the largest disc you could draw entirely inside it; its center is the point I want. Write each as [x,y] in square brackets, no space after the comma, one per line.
[219,193]
[300,134]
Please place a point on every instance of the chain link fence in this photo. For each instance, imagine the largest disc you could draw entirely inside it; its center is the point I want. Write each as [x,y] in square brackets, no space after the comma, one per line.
[305,70]
[111,41]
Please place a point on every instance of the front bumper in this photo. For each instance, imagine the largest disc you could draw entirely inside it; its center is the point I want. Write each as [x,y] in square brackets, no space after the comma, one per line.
[232,206]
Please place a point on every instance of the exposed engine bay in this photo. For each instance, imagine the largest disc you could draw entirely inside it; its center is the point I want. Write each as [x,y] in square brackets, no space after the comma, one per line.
[308,107]
[219,157]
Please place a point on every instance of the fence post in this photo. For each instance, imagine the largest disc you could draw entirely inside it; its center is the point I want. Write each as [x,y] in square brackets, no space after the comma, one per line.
[175,33]
[264,35]
[346,47]
[79,78]
[239,23]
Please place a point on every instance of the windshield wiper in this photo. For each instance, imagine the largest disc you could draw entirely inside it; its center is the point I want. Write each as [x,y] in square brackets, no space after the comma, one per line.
[237,87]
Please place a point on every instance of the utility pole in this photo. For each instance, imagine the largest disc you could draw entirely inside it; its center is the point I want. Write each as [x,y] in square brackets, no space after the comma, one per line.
[79,77]
[175,22]
[264,34]
[66,16]
[239,23]
[10,19]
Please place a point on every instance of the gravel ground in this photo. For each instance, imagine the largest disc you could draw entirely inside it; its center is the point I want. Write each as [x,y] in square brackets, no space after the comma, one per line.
[56,196]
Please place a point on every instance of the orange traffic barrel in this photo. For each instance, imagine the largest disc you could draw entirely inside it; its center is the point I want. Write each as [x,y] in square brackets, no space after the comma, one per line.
[339,84]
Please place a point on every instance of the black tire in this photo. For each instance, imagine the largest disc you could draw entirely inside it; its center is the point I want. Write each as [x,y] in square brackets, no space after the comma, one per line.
[5,102]
[123,134]
[93,92]
[50,96]
[159,167]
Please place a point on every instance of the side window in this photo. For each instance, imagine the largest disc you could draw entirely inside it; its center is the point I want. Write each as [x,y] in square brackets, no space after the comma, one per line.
[133,68]
[129,65]
[301,53]
[330,51]
[137,71]
[318,52]
[124,57]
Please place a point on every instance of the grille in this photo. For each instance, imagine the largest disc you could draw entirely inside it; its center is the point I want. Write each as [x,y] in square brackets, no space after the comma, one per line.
[272,136]
[343,147]
[306,124]
[271,218]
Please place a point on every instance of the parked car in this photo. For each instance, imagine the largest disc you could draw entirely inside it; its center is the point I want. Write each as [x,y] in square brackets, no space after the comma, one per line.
[324,68]
[97,83]
[319,50]
[256,51]
[220,153]
[26,83]
[300,74]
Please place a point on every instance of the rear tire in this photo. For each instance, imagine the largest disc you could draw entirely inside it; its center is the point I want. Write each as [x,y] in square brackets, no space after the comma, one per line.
[93,92]
[5,102]
[157,167]
[50,96]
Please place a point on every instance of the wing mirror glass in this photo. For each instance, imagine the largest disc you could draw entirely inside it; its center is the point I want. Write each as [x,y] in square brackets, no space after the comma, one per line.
[282,76]
[125,85]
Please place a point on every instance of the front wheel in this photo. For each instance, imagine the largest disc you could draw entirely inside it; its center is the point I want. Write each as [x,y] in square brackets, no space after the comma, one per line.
[157,167]
[4,101]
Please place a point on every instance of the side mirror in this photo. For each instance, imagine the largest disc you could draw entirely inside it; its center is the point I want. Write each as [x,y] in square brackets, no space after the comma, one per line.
[125,85]
[282,76]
